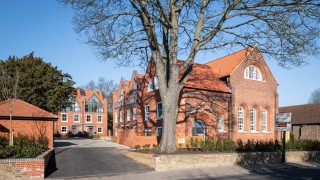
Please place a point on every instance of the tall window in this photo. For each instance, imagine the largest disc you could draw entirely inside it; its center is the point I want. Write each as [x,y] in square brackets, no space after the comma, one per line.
[147,113]
[134,114]
[156,82]
[252,72]
[221,124]
[73,105]
[253,119]
[116,117]
[128,115]
[76,118]
[150,85]
[264,119]
[159,131]
[198,128]
[94,105]
[88,118]
[99,119]
[159,110]
[121,116]
[64,118]
[240,119]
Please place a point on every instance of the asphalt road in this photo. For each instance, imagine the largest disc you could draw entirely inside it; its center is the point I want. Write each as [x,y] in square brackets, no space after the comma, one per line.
[84,158]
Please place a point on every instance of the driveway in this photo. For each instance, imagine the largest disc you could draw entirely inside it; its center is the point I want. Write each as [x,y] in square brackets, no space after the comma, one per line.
[81,158]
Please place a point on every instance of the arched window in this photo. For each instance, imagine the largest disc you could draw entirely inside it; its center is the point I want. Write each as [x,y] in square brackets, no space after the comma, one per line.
[252,72]
[253,119]
[240,119]
[150,85]
[264,119]
[198,127]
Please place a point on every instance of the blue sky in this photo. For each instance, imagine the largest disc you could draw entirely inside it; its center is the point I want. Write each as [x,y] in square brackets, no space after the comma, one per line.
[45,27]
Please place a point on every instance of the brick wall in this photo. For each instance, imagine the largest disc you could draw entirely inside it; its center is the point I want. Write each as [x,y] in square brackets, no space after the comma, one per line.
[34,128]
[306,132]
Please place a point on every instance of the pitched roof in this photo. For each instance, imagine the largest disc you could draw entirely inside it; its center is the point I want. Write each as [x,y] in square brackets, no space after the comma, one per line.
[303,114]
[84,95]
[202,77]
[23,109]
[224,66]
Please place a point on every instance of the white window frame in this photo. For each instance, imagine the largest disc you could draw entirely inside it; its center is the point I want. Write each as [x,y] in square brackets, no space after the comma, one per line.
[252,72]
[134,114]
[116,117]
[253,119]
[101,118]
[98,130]
[156,82]
[221,124]
[121,116]
[88,115]
[66,118]
[240,119]
[147,112]
[147,131]
[116,132]
[158,132]
[74,118]
[150,85]
[264,114]
[128,115]
[158,110]
[63,131]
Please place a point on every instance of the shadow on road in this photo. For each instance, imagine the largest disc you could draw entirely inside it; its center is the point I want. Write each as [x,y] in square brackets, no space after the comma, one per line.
[52,166]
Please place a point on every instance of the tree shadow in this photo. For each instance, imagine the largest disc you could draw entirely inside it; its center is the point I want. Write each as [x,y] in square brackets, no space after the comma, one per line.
[52,165]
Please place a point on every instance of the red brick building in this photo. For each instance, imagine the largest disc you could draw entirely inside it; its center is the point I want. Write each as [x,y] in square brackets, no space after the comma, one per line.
[27,119]
[231,97]
[87,113]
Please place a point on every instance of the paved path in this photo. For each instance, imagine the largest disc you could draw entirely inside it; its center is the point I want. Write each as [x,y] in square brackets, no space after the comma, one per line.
[84,158]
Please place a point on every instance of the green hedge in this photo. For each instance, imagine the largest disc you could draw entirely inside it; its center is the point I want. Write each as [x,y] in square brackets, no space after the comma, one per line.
[223,145]
[23,146]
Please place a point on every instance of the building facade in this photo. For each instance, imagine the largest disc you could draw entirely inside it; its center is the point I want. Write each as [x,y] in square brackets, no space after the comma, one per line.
[305,120]
[233,97]
[86,114]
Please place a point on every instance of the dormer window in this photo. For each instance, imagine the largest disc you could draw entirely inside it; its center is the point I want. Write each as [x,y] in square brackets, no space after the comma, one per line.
[252,72]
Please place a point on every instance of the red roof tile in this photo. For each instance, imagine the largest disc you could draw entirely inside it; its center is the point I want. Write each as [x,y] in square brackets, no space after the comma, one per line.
[226,65]
[303,114]
[84,95]
[23,109]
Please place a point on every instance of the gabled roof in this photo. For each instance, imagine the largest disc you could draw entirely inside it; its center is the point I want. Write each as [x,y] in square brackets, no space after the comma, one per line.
[202,77]
[84,95]
[226,65]
[21,108]
[303,114]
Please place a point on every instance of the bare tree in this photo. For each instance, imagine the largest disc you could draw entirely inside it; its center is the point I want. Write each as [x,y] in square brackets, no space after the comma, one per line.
[315,97]
[10,94]
[128,30]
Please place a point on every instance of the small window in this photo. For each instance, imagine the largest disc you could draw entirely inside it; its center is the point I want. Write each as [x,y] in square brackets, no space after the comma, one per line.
[128,115]
[252,72]
[64,129]
[116,117]
[99,130]
[159,131]
[253,119]
[221,124]
[99,119]
[134,112]
[121,116]
[150,86]
[135,129]
[64,118]
[156,82]
[159,110]
[147,113]
[88,119]
[76,118]
[147,132]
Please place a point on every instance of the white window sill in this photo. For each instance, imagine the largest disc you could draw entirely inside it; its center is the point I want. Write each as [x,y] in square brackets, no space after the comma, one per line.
[223,131]
[64,121]
[242,132]
[63,132]
[254,132]
[99,122]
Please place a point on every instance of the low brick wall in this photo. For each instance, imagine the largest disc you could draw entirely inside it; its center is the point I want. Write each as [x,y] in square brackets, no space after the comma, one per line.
[25,167]
[181,161]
